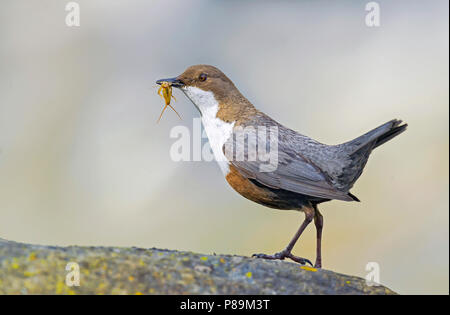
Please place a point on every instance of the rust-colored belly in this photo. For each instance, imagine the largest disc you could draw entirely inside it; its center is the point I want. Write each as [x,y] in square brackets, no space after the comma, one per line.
[246,188]
[273,198]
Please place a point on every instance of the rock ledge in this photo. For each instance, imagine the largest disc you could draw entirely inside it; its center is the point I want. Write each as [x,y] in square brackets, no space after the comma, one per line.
[36,269]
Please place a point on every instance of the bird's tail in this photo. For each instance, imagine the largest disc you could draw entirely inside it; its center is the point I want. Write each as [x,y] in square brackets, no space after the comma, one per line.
[377,136]
[394,132]
[360,148]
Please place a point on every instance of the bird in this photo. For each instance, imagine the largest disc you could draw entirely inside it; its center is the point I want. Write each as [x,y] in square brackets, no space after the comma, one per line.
[306,173]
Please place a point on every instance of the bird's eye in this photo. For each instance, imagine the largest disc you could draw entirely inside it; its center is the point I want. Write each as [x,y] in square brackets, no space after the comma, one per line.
[203,77]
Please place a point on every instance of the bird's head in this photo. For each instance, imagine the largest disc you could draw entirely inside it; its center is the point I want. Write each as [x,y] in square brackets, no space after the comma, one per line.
[206,86]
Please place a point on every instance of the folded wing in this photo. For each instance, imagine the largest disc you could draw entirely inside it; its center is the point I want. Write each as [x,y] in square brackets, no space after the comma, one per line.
[291,171]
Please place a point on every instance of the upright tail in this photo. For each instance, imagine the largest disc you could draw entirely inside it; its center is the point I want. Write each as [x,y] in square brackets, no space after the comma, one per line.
[397,129]
[359,149]
[377,136]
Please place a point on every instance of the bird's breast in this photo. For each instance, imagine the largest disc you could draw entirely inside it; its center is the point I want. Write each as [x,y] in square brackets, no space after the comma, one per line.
[218,132]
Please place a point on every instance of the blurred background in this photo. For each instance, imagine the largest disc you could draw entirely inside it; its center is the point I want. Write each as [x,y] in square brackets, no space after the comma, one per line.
[82,160]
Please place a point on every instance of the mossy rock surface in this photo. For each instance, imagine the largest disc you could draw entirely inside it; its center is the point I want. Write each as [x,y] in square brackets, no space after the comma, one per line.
[36,269]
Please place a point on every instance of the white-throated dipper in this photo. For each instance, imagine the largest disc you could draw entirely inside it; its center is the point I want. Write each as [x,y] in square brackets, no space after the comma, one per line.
[307,172]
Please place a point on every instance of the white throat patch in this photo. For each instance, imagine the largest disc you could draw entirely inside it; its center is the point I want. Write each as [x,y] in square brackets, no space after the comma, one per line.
[217,130]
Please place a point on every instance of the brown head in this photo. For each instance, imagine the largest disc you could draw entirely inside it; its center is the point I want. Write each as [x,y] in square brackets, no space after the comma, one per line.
[209,89]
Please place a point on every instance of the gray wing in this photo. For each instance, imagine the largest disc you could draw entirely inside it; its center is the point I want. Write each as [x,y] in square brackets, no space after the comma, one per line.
[292,170]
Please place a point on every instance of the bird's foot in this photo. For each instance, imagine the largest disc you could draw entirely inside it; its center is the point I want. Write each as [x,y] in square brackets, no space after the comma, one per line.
[282,255]
[318,264]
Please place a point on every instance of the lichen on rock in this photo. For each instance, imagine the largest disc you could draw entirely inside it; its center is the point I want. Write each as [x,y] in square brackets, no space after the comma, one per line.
[36,269]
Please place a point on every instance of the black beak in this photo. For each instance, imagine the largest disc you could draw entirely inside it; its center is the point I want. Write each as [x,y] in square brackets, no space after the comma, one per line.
[173,81]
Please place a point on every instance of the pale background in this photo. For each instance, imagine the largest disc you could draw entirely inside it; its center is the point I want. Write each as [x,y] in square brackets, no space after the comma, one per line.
[82,160]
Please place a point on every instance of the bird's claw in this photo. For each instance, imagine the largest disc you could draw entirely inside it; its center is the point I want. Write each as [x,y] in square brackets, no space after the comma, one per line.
[282,255]
[271,257]
[301,260]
